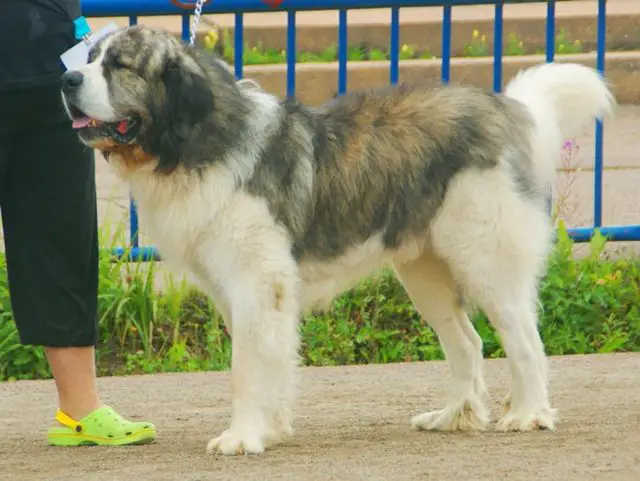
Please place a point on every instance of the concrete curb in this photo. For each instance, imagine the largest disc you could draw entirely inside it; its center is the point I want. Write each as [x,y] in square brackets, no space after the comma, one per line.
[316,83]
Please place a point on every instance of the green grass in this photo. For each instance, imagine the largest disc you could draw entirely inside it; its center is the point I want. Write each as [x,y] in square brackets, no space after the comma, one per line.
[588,305]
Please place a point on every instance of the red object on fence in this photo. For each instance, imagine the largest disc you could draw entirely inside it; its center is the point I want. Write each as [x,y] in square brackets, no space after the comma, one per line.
[191,4]
[187,5]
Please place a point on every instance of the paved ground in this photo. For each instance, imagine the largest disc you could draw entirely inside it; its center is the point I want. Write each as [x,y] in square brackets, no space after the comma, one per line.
[352,424]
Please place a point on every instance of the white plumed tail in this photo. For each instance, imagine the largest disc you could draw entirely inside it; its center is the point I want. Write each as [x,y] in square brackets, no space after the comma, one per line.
[571,94]
[563,99]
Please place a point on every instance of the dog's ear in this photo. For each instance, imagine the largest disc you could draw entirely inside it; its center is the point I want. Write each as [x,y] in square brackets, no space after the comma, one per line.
[188,100]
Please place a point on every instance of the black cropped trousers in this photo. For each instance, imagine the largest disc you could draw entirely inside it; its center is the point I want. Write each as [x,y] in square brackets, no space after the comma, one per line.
[49,220]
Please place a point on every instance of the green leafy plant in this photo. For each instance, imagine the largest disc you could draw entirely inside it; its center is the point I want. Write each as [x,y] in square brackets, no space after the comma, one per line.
[565,46]
[587,305]
[220,42]
[478,47]
[515,46]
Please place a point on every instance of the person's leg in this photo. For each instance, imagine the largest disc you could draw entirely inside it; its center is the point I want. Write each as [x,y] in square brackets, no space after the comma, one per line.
[73,369]
[50,221]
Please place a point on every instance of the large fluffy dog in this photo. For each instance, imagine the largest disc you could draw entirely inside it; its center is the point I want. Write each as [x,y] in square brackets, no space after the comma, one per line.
[273,207]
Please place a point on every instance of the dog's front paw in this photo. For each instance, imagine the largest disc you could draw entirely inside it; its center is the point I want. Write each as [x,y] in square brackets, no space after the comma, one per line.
[465,415]
[231,443]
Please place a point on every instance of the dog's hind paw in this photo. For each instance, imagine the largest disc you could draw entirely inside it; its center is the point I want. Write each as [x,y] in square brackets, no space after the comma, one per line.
[544,419]
[231,443]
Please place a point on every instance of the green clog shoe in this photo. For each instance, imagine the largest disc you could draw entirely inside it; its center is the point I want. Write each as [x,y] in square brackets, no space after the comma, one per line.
[103,427]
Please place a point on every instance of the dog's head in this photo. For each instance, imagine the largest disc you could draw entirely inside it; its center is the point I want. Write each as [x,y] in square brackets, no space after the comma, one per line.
[144,95]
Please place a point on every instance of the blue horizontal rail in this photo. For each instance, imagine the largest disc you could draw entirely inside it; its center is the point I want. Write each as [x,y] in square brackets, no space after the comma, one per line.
[125,8]
[141,8]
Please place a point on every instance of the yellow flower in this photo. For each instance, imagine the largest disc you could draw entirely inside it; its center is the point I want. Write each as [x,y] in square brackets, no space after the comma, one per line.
[475,33]
[211,39]
[405,48]
[483,39]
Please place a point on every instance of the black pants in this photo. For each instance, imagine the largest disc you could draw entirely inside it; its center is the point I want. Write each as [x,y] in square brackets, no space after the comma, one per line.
[49,216]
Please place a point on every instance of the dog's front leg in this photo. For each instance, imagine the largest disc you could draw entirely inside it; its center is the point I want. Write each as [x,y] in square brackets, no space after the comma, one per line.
[264,309]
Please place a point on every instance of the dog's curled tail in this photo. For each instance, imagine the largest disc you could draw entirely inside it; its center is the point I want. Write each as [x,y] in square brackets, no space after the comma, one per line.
[570,94]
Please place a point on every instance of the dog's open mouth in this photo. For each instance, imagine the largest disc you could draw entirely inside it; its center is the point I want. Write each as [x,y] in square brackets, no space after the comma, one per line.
[123,131]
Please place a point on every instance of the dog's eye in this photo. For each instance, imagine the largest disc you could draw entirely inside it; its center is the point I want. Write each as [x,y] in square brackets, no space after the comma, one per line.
[117,64]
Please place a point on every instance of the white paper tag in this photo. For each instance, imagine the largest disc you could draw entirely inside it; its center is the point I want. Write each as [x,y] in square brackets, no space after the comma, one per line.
[78,55]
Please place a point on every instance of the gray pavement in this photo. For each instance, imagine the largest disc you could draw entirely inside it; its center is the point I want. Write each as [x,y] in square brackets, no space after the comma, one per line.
[351,423]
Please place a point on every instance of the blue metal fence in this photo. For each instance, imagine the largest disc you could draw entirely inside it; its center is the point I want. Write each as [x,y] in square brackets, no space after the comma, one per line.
[135,8]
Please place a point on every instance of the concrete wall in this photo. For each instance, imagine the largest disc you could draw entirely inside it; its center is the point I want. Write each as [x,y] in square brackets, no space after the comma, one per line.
[316,83]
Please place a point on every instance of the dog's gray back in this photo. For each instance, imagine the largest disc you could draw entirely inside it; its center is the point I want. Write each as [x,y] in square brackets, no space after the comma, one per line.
[379,162]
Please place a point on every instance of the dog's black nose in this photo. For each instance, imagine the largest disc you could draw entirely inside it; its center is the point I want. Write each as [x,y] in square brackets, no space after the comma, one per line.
[72,80]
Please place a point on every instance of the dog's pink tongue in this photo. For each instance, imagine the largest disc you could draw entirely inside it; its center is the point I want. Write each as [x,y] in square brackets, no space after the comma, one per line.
[81,123]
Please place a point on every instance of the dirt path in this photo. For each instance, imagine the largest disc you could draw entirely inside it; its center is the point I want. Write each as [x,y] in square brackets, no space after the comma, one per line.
[352,424]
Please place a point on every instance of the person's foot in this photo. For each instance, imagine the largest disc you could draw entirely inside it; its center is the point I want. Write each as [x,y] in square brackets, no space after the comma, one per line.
[103,427]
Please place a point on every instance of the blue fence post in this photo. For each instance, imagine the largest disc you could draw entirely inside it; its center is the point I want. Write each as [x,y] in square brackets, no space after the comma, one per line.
[550,42]
[238,45]
[445,74]
[342,51]
[134,229]
[186,28]
[394,69]
[597,188]
[291,53]
[497,48]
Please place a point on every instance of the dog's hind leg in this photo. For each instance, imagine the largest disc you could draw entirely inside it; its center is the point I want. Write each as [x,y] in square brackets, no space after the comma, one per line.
[434,294]
[495,246]
[527,405]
